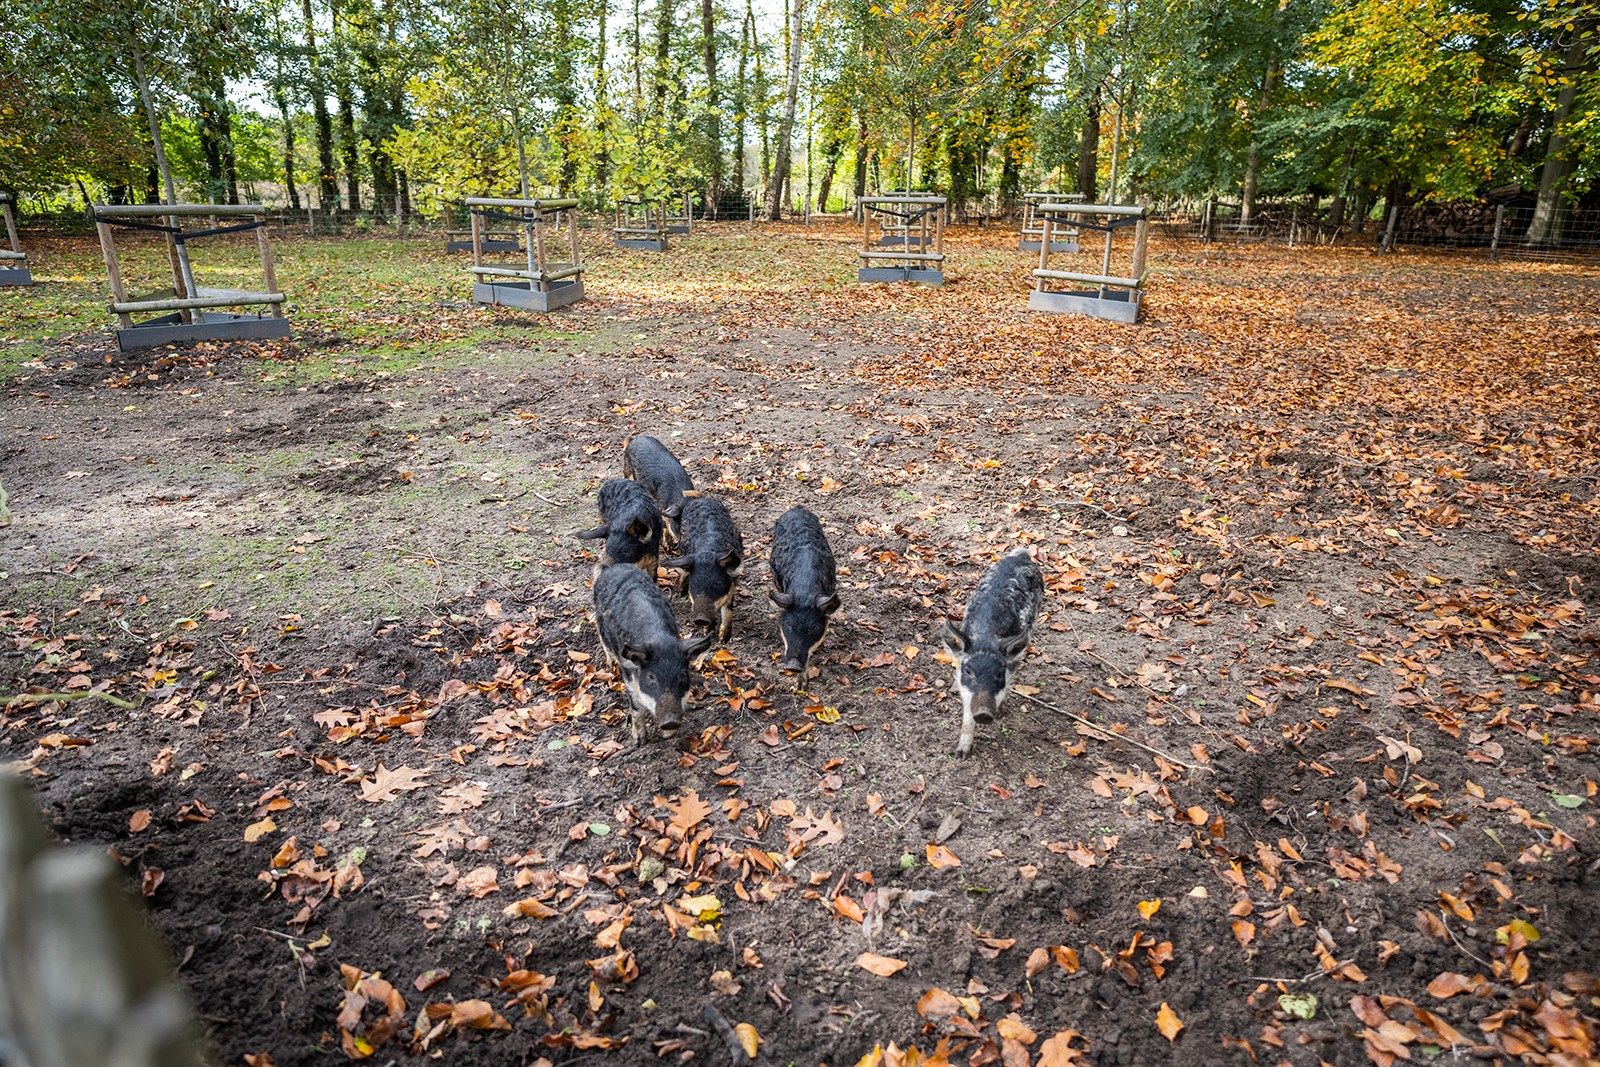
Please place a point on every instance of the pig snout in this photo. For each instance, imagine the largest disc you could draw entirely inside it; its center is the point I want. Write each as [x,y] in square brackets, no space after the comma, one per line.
[669,715]
[984,707]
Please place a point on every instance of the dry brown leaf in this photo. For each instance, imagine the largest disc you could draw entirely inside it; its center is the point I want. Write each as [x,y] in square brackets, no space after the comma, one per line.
[882,966]
[1167,1022]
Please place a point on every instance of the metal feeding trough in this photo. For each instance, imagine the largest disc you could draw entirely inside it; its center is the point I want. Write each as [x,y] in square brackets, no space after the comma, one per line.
[187,311]
[543,285]
[13,260]
[1110,296]
[914,222]
[641,224]
[1064,238]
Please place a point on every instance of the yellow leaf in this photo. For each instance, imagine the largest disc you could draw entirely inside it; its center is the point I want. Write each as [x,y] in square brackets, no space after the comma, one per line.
[1168,1023]
[749,1039]
[828,714]
[1148,908]
[882,966]
[257,830]
[706,908]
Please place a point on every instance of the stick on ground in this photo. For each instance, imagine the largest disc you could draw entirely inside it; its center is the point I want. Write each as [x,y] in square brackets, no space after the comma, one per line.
[1109,735]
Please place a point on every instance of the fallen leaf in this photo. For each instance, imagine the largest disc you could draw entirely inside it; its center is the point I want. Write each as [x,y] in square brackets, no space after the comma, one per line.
[882,966]
[1167,1022]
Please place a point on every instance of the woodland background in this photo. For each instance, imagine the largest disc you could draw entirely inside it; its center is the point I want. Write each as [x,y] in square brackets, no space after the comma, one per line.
[1346,107]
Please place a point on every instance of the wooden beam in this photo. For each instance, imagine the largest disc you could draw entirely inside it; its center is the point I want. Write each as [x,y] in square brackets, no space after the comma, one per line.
[119,293]
[1090,279]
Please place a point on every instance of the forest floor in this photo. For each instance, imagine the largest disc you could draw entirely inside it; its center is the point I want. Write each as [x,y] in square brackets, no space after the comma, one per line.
[1322,547]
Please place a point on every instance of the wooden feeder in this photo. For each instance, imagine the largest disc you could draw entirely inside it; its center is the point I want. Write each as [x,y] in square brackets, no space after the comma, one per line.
[917,219]
[1065,237]
[492,239]
[187,311]
[543,285]
[13,260]
[900,231]
[681,220]
[1113,298]
[641,224]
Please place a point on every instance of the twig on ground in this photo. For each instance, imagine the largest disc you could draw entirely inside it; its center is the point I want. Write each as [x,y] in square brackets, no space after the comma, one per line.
[547,500]
[62,698]
[1086,504]
[725,1029]
[1110,735]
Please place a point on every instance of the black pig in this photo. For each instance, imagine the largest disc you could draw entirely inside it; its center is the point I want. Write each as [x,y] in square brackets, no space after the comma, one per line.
[993,637]
[651,464]
[640,637]
[630,524]
[804,585]
[713,552]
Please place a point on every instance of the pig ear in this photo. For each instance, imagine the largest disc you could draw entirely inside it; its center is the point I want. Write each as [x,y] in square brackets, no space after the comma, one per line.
[673,511]
[731,561]
[639,530]
[828,604]
[632,655]
[693,646]
[589,535]
[1015,648]
[954,639]
[782,599]
[679,563]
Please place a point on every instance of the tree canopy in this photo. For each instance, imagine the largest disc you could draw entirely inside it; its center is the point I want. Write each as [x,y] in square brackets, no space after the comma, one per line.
[397,104]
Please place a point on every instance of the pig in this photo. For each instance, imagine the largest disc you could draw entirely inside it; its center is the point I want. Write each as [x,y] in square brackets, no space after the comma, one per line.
[630,524]
[649,462]
[804,587]
[712,555]
[640,638]
[993,637]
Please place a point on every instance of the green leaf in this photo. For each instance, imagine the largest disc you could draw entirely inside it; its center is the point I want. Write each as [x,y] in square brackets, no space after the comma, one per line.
[1299,1005]
[1568,800]
[599,829]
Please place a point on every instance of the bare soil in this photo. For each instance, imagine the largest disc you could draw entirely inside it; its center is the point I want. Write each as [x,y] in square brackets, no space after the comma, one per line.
[1321,532]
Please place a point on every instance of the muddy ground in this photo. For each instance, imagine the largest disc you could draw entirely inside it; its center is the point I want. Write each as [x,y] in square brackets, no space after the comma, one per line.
[1311,709]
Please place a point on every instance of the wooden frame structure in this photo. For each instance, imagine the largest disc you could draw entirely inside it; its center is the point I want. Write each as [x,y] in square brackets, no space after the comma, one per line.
[13,260]
[1113,297]
[188,311]
[681,221]
[1064,237]
[641,224]
[493,240]
[543,285]
[901,232]
[917,219]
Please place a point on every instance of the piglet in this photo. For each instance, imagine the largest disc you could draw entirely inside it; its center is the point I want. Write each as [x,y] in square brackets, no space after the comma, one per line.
[713,552]
[640,637]
[993,637]
[804,586]
[651,464]
[630,524]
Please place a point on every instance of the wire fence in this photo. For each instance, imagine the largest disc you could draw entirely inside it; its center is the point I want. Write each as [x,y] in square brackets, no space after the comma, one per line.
[1498,230]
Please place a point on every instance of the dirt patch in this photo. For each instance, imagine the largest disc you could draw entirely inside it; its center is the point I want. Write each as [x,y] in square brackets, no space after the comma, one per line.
[1392,745]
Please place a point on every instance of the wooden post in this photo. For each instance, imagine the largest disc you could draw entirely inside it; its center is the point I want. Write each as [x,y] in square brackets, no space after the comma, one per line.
[119,294]
[938,237]
[1388,233]
[1141,237]
[11,225]
[1494,241]
[866,230]
[536,251]
[477,241]
[572,225]
[269,270]
[1294,219]
[1044,249]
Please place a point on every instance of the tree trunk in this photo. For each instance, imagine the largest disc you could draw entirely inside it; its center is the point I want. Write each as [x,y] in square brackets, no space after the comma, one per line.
[761,114]
[713,104]
[1089,148]
[1252,163]
[602,104]
[662,74]
[791,96]
[742,105]
[349,149]
[281,98]
[1550,210]
[565,95]
[862,152]
[327,179]
[832,152]
[230,163]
